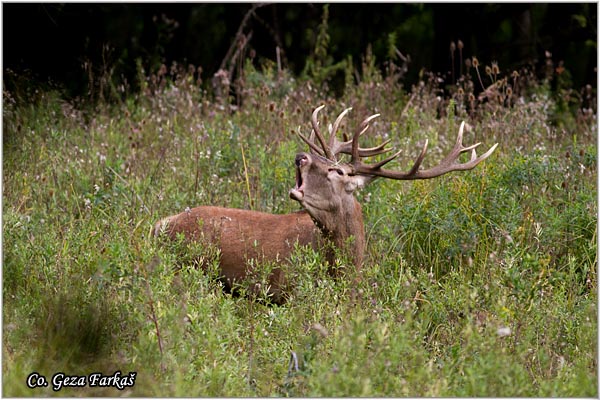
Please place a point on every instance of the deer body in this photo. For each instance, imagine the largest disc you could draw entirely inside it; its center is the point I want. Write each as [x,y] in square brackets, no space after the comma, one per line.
[243,235]
[325,188]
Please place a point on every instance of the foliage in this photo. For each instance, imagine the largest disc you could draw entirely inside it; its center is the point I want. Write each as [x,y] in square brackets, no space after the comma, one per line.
[320,66]
[476,284]
[88,41]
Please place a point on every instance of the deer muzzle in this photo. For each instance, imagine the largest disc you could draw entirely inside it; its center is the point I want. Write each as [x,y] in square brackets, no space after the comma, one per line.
[297,193]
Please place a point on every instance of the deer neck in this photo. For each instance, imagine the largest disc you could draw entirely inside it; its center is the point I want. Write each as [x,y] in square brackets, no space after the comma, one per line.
[344,227]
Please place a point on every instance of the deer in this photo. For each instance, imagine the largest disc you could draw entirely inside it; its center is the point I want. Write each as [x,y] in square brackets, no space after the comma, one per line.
[331,218]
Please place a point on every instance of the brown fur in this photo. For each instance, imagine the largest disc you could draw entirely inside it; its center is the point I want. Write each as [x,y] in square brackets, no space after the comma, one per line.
[324,189]
[242,235]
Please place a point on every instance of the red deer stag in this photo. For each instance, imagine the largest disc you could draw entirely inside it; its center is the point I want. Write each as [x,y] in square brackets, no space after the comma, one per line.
[325,188]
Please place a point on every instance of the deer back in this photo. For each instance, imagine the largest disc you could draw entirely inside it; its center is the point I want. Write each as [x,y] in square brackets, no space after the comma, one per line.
[243,235]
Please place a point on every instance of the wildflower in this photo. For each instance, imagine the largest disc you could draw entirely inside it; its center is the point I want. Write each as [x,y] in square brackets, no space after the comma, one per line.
[460,44]
[503,331]
[162,70]
[320,329]
[475,62]
[495,68]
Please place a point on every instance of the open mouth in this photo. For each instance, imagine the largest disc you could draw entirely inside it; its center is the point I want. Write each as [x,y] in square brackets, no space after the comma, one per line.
[299,181]
[297,193]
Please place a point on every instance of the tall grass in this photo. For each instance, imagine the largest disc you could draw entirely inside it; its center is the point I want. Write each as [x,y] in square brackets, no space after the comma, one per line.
[476,284]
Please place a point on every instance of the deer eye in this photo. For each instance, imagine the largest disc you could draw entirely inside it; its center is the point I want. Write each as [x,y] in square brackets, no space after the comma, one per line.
[339,171]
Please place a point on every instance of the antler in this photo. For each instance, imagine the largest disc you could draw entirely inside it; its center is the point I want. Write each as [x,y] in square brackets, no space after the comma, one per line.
[334,147]
[448,164]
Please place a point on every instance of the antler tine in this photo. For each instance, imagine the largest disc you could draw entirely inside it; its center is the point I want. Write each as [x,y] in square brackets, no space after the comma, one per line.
[333,147]
[310,142]
[336,147]
[346,148]
[335,127]
[484,155]
[448,164]
[419,159]
[459,148]
[315,125]
[367,120]
[362,128]
[387,160]
[363,168]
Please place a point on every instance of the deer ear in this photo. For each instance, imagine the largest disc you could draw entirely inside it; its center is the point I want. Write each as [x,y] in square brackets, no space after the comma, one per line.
[357,182]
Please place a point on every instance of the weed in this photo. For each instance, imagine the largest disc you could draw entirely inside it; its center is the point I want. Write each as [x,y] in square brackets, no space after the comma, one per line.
[475,284]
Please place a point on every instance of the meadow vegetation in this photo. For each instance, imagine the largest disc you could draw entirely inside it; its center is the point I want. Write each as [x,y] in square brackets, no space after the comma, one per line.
[481,283]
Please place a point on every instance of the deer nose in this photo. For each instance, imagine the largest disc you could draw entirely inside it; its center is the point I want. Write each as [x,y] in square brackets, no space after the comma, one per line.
[301,159]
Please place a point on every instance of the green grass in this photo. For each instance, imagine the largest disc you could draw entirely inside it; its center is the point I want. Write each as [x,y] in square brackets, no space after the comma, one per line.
[481,283]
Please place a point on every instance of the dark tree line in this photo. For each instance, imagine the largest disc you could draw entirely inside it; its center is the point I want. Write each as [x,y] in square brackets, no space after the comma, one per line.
[68,42]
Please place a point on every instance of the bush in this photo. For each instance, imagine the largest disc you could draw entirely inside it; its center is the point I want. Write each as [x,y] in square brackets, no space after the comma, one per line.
[476,284]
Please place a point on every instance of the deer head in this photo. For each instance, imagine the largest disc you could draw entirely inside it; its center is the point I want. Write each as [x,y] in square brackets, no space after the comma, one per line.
[325,185]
